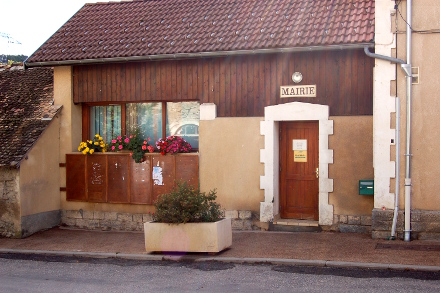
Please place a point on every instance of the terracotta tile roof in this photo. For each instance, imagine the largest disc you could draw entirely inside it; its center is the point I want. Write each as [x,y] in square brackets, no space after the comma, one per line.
[26,96]
[141,28]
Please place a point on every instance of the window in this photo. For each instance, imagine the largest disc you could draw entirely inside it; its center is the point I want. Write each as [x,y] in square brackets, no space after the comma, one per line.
[183,120]
[180,118]
[147,117]
[105,120]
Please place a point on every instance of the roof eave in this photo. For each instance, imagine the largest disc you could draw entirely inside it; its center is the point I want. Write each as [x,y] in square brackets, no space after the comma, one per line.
[199,55]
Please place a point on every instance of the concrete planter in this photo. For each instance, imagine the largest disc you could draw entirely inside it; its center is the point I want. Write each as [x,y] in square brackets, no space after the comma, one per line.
[189,237]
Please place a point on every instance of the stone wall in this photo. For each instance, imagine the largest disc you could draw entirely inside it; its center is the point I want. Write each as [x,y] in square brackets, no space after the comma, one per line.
[425,225]
[351,224]
[9,203]
[97,220]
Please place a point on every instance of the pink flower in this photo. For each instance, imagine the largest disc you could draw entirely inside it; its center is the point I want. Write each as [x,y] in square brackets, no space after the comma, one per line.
[145,142]
[113,140]
[144,147]
[149,139]
[119,137]
[131,154]
[131,136]
[120,147]
[113,148]
[126,140]
[150,148]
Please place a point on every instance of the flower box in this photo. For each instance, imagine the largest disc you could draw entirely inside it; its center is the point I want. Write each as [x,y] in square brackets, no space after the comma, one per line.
[189,237]
[116,178]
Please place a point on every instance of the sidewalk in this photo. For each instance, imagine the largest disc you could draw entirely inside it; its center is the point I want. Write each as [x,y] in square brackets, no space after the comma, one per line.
[302,248]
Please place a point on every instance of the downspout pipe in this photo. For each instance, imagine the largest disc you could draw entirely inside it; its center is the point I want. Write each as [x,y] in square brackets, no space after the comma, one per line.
[408,123]
[396,200]
[383,57]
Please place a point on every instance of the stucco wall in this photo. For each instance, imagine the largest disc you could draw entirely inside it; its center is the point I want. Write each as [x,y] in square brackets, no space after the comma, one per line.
[71,116]
[425,133]
[230,161]
[71,119]
[10,225]
[39,173]
[352,144]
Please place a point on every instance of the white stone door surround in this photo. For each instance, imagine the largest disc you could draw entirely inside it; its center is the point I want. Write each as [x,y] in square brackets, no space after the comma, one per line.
[269,156]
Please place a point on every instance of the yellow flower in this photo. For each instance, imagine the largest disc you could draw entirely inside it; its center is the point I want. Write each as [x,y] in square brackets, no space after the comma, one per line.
[96,135]
[87,149]
[89,141]
[100,137]
[96,143]
[79,148]
[103,150]
[84,152]
[91,151]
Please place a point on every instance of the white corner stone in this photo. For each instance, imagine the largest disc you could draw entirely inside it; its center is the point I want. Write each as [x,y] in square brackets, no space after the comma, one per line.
[325,210]
[266,212]
[208,111]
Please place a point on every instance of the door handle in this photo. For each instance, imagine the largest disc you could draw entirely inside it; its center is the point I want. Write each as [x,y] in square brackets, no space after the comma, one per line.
[317,172]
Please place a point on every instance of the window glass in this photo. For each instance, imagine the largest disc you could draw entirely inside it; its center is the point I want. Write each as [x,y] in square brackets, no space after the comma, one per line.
[182,119]
[147,117]
[106,121]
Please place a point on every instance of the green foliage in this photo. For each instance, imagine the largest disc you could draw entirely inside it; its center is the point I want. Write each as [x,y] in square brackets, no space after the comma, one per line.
[186,204]
[134,143]
[13,58]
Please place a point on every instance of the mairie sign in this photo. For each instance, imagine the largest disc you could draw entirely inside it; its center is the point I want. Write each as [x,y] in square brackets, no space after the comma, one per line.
[296,91]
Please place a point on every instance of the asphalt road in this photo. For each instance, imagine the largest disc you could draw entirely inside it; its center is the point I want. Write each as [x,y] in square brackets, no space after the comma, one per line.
[29,273]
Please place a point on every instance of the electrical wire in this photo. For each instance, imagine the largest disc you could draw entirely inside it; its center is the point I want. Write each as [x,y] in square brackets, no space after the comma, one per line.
[430,31]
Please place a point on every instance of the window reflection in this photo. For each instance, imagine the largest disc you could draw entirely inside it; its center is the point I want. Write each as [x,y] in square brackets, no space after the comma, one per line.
[105,121]
[182,119]
[147,117]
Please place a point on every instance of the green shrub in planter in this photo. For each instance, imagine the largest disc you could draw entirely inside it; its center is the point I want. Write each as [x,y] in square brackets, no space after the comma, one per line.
[186,204]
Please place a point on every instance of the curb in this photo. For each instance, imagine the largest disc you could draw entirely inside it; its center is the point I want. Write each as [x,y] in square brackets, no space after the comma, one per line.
[237,260]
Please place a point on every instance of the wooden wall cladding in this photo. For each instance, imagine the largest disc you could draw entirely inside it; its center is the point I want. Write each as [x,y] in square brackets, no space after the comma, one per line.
[96,178]
[75,175]
[240,86]
[140,182]
[116,178]
[161,164]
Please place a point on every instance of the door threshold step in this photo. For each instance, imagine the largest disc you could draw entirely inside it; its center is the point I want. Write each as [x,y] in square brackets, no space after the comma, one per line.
[291,225]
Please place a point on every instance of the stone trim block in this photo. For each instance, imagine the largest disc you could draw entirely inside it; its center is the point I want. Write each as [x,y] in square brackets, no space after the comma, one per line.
[88,215]
[97,215]
[245,215]
[231,214]
[354,220]
[208,111]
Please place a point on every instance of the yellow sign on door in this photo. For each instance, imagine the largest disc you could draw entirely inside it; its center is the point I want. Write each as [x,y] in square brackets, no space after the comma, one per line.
[300,156]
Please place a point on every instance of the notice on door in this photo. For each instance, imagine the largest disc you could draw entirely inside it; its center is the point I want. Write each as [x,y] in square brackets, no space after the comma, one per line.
[299,147]
[300,156]
[299,144]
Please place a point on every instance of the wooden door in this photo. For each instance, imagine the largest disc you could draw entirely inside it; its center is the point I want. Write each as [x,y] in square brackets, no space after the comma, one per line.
[299,185]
